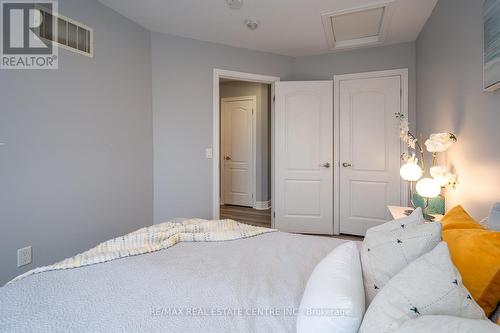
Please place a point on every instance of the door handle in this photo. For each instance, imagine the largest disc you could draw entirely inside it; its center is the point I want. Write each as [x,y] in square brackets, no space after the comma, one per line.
[326,165]
[346,165]
[227,158]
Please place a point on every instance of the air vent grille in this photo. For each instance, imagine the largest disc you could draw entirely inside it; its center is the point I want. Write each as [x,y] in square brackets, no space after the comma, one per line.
[66,33]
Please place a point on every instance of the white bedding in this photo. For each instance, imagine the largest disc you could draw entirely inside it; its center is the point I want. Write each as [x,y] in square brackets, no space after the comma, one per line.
[246,285]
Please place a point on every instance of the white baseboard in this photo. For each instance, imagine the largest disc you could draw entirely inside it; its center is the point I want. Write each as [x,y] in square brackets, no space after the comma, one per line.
[262,205]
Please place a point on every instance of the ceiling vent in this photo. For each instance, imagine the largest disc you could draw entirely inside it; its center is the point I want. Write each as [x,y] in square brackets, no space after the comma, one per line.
[357,27]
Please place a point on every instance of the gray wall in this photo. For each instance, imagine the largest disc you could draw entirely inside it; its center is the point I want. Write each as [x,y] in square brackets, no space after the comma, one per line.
[451,98]
[182,117]
[182,106]
[76,167]
[324,67]
[263,140]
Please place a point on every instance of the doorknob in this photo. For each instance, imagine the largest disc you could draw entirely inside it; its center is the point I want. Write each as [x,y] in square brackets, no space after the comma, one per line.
[346,165]
[227,158]
[326,165]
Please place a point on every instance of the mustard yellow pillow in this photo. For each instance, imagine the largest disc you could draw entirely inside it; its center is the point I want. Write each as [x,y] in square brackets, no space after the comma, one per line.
[457,218]
[476,254]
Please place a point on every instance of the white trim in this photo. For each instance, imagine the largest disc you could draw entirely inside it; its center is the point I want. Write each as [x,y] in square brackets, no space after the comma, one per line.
[403,73]
[253,164]
[273,105]
[226,74]
[262,205]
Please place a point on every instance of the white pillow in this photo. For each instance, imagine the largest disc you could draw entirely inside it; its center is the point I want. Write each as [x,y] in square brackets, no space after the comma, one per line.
[336,287]
[390,247]
[448,324]
[492,222]
[431,285]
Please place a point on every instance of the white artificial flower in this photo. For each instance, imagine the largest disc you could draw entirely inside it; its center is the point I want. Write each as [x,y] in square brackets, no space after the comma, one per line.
[438,171]
[452,180]
[412,143]
[404,131]
[439,174]
[404,126]
[412,159]
[440,142]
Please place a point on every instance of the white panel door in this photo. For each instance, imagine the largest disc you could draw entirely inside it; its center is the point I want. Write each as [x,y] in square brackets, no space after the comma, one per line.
[303,143]
[237,154]
[369,153]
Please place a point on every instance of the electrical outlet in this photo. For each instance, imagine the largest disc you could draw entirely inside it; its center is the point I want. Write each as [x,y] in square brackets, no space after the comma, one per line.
[208,153]
[24,256]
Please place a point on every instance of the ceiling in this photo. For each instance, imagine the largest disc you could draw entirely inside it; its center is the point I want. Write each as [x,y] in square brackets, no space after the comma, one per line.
[288,27]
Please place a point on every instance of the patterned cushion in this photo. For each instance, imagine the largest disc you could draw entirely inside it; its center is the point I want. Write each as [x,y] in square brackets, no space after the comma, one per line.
[416,218]
[390,247]
[431,285]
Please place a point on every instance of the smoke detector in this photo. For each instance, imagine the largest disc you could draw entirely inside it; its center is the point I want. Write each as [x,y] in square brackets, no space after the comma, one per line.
[251,24]
[234,4]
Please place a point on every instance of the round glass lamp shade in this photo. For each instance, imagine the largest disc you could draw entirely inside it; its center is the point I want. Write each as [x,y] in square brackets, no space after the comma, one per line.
[428,188]
[410,172]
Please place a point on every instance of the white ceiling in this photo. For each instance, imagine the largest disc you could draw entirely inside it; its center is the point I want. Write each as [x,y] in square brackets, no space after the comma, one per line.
[287,27]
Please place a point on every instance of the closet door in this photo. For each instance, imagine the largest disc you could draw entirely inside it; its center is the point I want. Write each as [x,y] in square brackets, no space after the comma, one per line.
[369,151]
[303,155]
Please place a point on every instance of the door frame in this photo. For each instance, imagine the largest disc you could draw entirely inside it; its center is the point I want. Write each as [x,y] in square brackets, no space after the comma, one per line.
[240,76]
[253,163]
[403,73]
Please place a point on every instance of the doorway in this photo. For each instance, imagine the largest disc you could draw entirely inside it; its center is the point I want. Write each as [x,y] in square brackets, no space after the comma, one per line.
[242,147]
[351,137]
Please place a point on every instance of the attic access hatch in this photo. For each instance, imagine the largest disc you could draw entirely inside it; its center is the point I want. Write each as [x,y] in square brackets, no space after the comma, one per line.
[357,27]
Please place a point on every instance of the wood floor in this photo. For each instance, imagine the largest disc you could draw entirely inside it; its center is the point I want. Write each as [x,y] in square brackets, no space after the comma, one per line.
[261,218]
[247,215]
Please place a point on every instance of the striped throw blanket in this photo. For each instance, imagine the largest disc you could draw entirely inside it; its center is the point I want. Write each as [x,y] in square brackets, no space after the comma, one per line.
[155,238]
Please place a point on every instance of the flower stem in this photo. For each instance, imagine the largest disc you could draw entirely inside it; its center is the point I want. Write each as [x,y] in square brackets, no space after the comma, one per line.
[422,157]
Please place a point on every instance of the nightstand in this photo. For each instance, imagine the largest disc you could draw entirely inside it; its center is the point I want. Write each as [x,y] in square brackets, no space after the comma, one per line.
[398,212]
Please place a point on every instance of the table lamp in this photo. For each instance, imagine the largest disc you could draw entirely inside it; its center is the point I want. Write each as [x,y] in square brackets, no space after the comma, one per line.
[411,172]
[428,188]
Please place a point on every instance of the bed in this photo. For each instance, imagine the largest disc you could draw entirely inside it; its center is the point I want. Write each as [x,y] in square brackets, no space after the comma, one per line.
[246,285]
